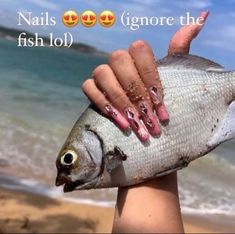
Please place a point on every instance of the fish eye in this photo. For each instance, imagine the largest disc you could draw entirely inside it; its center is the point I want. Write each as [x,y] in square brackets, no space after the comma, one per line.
[69,158]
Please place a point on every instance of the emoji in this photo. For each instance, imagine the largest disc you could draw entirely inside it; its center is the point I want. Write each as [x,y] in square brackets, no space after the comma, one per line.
[88,19]
[107,18]
[70,18]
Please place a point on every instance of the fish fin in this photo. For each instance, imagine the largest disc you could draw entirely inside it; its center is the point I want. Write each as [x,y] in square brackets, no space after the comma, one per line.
[226,130]
[190,61]
[114,158]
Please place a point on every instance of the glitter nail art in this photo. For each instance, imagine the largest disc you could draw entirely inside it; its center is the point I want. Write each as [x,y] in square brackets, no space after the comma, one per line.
[131,117]
[110,111]
[143,108]
[150,123]
[145,113]
[156,98]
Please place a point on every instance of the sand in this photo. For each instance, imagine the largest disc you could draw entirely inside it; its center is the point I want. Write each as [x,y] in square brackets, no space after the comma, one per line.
[23,212]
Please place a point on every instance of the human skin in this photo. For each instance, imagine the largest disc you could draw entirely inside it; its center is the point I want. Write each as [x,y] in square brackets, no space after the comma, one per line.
[152,206]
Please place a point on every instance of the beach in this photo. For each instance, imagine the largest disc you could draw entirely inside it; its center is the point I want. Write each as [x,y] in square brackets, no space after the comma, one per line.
[24,212]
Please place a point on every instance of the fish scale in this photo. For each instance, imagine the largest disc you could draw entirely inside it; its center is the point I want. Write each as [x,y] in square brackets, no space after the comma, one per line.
[197,93]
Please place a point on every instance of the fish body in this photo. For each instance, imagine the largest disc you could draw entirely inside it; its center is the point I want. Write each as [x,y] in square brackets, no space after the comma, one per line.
[199,95]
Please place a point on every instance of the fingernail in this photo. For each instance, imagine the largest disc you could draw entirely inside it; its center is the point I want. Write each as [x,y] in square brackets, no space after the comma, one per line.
[117,117]
[156,98]
[144,136]
[149,119]
[162,113]
[136,124]
[159,106]
[205,14]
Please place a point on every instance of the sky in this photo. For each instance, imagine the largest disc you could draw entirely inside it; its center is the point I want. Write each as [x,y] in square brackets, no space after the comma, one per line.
[216,41]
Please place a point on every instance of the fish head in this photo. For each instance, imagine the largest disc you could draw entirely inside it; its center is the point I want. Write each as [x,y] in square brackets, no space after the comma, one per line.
[79,163]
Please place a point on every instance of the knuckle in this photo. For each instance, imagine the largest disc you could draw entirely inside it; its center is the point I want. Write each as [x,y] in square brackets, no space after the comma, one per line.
[100,70]
[119,99]
[118,54]
[149,71]
[140,44]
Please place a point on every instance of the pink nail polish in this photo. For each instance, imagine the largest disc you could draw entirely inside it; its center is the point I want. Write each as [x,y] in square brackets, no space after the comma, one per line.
[136,124]
[144,136]
[156,98]
[162,113]
[149,119]
[160,108]
[117,117]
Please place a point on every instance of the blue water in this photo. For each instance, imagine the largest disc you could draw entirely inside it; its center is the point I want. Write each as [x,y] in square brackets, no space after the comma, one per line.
[41,99]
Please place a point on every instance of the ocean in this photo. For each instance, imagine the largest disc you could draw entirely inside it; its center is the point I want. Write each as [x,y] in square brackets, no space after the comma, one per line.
[40,99]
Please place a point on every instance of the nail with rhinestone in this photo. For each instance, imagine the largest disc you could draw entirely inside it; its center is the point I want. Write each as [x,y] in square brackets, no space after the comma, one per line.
[149,119]
[159,106]
[117,117]
[136,125]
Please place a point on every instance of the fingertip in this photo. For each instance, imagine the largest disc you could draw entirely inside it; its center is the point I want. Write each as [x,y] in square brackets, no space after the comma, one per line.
[162,113]
[143,134]
[156,131]
[204,15]
[122,123]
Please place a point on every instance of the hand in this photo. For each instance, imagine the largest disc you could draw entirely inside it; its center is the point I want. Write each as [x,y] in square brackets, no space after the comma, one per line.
[129,89]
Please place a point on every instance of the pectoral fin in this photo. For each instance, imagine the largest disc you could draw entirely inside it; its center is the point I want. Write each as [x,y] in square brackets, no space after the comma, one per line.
[114,158]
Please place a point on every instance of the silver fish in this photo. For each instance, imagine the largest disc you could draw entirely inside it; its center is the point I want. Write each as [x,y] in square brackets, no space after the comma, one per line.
[200,97]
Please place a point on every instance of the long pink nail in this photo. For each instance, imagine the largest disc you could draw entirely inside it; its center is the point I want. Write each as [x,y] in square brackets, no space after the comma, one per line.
[204,15]
[149,119]
[162,113]
[136,124]
[117,117]
[158,104]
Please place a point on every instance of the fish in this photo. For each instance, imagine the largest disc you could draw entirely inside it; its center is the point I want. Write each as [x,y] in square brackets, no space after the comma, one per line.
[200,98]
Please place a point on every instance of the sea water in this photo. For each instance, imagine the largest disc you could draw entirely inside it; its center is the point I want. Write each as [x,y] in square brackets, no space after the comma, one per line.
[40,99]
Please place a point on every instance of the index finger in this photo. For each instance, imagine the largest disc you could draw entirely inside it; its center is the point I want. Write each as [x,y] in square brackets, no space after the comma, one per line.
[180,42]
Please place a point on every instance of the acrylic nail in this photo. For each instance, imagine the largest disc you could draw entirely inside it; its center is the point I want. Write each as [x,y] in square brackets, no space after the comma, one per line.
[154,94]
[162,113]
[117,117]
[136,125]
[159,106]
[149,119]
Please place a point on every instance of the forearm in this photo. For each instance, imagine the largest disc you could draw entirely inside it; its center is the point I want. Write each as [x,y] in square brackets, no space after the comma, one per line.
[149,207]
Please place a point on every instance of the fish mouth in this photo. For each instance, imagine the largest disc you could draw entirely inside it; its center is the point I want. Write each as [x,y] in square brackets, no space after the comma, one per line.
[78,185]
[70,186]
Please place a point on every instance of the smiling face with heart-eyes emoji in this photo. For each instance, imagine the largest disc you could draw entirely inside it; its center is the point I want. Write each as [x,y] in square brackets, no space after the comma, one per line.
[107,18]
[88,18]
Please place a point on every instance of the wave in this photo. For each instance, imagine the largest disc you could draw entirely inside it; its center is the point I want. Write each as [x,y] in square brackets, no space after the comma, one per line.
[35,187]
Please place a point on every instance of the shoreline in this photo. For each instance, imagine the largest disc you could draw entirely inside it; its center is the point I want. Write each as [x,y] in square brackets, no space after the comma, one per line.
[25,212]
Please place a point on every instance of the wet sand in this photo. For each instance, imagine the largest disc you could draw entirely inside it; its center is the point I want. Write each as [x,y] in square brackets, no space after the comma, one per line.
[23,212]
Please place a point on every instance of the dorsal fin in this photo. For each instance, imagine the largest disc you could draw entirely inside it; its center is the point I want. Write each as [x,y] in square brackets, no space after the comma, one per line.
[190,61]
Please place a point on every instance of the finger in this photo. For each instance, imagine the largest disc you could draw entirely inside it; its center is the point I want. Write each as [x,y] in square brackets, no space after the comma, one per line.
[107,83]
[101,102]
[180,42]
[145,63]
[122,64]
